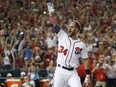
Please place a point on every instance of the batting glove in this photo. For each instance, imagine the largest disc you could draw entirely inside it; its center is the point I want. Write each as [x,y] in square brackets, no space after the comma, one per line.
[50,8]
[87,80]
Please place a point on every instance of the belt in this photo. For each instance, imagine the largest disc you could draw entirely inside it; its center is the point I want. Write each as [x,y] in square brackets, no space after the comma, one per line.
[67,68]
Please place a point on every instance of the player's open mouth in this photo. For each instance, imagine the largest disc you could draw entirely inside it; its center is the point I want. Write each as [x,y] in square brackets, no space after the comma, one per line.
[69,31]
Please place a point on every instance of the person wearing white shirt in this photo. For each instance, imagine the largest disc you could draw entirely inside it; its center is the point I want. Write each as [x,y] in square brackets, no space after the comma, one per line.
[29,82]
[111,74]
[6,62]
[9,50]
[51,41]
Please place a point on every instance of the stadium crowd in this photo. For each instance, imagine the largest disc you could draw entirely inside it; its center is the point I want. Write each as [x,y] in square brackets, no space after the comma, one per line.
[28,44]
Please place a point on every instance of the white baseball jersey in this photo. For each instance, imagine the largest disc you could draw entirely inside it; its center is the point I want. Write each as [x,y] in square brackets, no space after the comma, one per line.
[69,50]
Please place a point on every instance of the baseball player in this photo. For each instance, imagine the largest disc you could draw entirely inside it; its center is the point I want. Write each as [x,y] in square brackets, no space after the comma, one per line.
[70,49]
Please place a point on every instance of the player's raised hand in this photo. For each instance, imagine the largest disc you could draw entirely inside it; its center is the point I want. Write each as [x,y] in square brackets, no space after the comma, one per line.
[50,6]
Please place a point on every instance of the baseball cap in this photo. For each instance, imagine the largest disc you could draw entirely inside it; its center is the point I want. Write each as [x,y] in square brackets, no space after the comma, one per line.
[37,57]
[23,73]
[9,75]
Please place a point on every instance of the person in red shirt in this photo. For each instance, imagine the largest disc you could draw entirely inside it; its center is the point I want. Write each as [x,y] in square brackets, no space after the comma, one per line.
[100,73]
[81,72]
[49,56]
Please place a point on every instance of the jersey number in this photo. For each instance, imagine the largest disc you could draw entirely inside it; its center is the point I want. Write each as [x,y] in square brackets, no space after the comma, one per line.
[62,50]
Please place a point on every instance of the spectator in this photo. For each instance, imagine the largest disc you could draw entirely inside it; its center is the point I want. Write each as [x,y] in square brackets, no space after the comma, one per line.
[9,75]
[34,74]
[20,43]
[29,82]
[6,62]
[51,69]
[38,61]
[9,51]
[1,59]
[111,74]
[49,56]
[51,41]
[81,72]
[27,55]
[100,72]
[37,54]
[19,62]
[22,77]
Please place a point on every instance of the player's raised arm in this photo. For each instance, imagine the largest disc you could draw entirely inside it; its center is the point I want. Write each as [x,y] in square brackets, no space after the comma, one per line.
[52,19]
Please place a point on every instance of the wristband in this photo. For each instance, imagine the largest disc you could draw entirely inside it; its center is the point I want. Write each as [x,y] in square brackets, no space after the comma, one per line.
[87,71]
[56,29]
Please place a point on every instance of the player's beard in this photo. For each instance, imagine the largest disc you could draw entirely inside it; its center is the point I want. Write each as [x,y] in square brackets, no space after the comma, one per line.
[71,33]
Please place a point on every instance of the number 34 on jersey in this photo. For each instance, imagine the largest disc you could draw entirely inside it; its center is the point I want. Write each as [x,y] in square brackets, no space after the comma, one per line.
[63,50]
